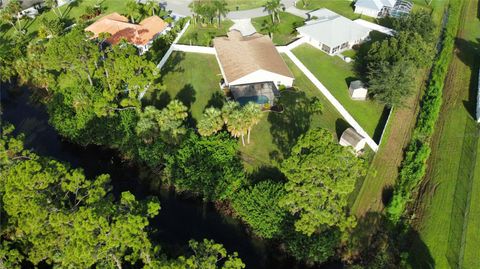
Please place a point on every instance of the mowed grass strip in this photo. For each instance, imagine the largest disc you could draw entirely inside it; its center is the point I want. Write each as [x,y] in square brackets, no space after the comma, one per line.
[335,74]
[286,29]
[200,34]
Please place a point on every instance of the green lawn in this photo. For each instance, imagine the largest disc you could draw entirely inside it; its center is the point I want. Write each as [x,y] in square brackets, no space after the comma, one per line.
[450,219]
[286,32]
[335,74]
[193,79]
[244,4]
[203,34]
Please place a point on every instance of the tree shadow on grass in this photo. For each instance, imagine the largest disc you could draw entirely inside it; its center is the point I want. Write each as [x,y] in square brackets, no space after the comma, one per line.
[187,95]
[159,99]
[340,126]
[468,53]
[172,65]
[217,100]
[267,173]
[295,120]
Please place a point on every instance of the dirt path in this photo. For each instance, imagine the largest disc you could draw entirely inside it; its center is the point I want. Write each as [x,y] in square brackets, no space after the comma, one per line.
[385,165]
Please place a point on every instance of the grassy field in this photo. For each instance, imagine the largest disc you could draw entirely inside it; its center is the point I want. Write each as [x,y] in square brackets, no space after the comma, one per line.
[202,35]
[449,212]
[342,7]
[244,4]
[286,32]
[336,75]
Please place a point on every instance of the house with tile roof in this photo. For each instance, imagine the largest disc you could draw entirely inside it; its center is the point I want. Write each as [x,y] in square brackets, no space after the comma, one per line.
[331,32]
[374,8]
[119,28]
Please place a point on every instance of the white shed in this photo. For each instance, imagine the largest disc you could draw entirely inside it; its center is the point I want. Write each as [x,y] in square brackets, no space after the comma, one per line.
[350,138]
[357,90]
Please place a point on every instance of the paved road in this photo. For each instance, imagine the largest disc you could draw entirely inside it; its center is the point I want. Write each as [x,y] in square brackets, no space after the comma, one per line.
[180,7]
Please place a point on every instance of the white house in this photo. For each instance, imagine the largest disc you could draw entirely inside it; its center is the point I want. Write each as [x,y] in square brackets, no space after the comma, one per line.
[250,59]
[374,8]
[331,32]
[357,90]
[350,138]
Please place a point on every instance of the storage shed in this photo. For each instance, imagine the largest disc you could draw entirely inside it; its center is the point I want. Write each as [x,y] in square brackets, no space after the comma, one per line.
[350,138]
[357,90]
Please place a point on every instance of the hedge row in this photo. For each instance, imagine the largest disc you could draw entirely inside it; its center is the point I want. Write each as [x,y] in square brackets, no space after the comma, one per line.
[415,163]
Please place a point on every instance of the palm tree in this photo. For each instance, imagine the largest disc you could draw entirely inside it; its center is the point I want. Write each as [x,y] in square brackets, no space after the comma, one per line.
[53,4]
[228,109]
[132,10]
[237,126]
[10,12]
[269,27]
[152,6]
[222,10]
[273,7]
[211,123]
[253,114]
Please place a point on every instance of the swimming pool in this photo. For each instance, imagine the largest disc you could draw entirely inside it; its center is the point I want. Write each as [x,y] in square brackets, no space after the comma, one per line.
[260,99]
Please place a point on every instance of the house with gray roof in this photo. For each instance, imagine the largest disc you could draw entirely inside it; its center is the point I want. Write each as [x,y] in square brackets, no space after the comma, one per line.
[374,8]
[331,32]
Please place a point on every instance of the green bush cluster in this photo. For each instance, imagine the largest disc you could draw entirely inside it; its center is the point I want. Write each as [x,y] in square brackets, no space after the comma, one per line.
[415,162]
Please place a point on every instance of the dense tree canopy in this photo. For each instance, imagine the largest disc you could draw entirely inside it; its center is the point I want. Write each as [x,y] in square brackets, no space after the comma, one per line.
[258,206]
[321,174]
[54,214]
[208,166]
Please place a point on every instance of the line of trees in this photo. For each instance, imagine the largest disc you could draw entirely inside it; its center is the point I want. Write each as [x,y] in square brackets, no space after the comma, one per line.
[415,163]
[206,11]
[391,63]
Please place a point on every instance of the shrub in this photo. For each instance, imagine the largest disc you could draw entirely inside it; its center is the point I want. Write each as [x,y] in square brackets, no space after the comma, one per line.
[258,206]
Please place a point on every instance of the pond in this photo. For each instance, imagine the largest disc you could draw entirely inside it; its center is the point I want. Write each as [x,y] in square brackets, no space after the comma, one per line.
[180,218]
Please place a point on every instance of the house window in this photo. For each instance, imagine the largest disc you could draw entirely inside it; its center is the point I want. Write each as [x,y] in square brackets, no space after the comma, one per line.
[335,49]
[326,48]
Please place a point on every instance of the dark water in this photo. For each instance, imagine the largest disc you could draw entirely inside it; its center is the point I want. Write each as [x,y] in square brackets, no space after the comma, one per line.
[180,218]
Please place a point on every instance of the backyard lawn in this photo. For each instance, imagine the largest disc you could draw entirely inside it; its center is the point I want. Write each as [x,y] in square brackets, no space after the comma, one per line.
[335,74]
[203,34]
[193,79]
[286,32]
[276,134]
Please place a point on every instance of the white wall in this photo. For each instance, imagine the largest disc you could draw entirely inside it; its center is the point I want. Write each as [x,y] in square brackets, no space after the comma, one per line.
[263,76]
[366,11]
